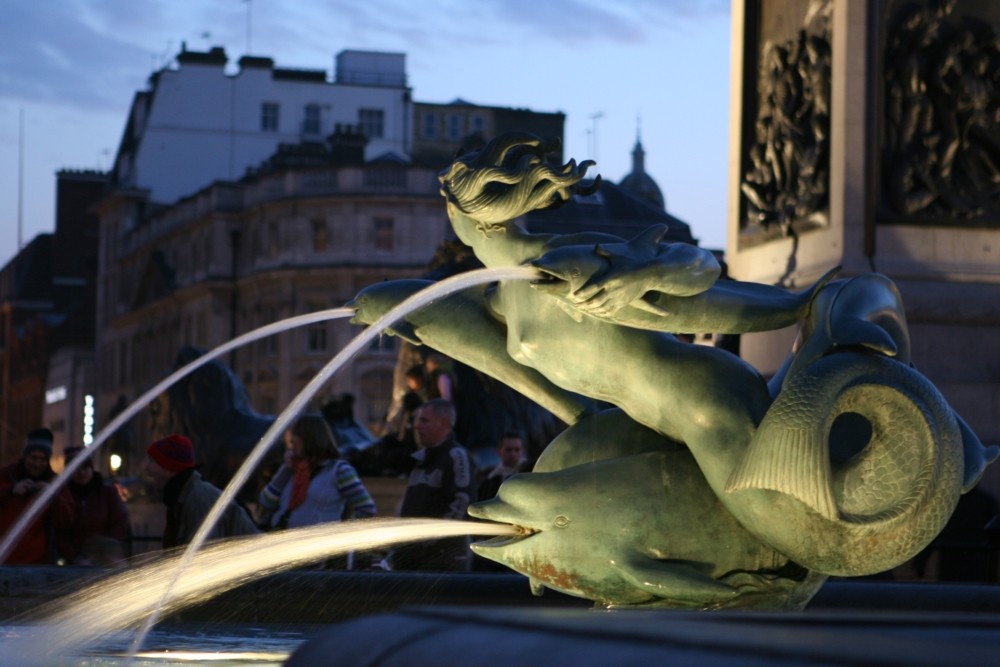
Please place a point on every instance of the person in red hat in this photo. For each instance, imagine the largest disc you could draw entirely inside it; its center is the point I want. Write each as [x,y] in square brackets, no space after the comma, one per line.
[20,483]
[170,466]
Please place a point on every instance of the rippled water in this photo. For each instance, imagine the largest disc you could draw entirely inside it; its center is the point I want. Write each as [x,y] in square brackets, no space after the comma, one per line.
[77,623]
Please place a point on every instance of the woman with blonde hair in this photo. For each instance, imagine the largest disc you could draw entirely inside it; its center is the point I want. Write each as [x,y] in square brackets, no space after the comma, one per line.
[314,484]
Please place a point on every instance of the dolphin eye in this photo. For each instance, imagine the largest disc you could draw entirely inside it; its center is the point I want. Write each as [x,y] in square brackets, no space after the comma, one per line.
[561,521]
[575,273]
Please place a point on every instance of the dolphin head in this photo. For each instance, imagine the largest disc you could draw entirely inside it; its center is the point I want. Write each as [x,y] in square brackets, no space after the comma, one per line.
[553,548]
[579,532]
[570,267]
[376,300]
[574,266]
[865,312]
[640,528]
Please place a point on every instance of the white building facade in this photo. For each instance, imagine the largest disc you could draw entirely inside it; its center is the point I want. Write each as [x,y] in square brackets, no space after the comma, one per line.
[234,120]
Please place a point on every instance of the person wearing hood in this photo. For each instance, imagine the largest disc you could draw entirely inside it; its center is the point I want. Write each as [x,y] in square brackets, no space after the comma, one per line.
[98,537]
[20,483]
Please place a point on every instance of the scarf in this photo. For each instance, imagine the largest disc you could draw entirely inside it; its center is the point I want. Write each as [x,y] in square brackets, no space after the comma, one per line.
[302,476]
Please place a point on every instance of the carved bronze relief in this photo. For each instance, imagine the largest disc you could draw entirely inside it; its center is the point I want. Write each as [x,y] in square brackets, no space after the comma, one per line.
[785,181]
[940,118]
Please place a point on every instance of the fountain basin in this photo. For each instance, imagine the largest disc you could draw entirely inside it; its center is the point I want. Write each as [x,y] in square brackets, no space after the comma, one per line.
[398,618]
[851,624]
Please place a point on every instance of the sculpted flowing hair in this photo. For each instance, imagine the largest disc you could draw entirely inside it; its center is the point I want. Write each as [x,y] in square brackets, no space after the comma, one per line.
[509,177]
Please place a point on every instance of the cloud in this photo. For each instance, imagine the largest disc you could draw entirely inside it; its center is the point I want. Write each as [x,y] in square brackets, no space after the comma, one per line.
[91,55]
[53,57]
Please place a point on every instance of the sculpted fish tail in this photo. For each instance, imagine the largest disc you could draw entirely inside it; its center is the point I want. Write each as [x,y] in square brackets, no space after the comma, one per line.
[880,502]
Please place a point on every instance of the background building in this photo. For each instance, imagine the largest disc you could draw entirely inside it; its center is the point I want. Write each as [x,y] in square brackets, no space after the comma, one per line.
[47,296]
[234,120]
[441,131]
[244,197]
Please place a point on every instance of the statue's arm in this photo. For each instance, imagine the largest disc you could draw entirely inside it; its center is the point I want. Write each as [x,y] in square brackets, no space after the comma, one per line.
[678,270]
[464,327]
[674,288]
[605,278]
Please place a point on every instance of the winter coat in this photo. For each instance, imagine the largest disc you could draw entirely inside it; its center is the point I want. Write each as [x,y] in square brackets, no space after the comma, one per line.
[37,543]
[101,513]
[188,507]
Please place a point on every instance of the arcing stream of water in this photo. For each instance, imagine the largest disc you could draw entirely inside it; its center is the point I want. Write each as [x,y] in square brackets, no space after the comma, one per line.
[10,539]
[281,423]
[74,622]
[173,573]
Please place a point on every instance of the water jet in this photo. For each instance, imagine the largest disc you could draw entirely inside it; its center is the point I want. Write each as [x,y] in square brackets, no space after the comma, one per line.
[706,488]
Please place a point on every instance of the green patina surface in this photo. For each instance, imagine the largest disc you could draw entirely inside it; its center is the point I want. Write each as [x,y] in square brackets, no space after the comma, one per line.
[708,487]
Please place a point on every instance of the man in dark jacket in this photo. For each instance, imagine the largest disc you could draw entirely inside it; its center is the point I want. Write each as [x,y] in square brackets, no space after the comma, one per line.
[20,484]
[170,465]
[98,537]
[441,485]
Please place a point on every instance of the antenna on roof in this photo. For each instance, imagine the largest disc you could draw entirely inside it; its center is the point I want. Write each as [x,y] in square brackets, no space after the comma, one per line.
[247,3]
[20,179]
[594,117]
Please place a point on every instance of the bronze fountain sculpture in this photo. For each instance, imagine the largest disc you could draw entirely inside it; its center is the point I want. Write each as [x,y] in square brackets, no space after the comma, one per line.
[706,486]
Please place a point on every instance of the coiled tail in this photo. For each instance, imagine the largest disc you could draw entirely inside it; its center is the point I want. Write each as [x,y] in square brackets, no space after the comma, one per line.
[866,509]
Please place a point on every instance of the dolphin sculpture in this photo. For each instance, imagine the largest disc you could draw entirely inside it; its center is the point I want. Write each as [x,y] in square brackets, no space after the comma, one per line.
[618,514]
[695,302]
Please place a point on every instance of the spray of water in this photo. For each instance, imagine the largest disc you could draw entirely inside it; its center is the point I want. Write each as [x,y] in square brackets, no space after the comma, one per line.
[281,423]
[79,620]
[40,502]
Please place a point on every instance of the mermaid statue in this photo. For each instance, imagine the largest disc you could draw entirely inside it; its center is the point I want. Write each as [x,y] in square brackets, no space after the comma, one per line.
[705,486]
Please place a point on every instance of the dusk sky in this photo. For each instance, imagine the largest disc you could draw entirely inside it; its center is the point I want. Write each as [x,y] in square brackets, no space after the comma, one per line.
[72,67]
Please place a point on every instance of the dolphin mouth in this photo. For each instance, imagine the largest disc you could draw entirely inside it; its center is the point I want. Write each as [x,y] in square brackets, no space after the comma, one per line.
[548,278]
[502,541]
[353,305]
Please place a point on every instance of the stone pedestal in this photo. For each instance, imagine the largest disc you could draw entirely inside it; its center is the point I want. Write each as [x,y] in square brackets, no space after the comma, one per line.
[944,258]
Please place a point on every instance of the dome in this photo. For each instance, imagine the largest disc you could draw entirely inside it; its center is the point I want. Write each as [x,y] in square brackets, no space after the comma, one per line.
[639,182]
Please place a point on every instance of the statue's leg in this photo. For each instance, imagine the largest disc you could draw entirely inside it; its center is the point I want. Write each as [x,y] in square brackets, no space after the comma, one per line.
[463,327]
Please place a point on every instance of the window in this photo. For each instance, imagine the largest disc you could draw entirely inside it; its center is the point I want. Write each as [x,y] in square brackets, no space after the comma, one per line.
[320,235]
[269,346]
[384,176]
[269,116]
[273,240]
[478,124]
[316,333]
[384,234]
[372,122]
[316,338]
[311,121]
[454,127]
[429,126]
